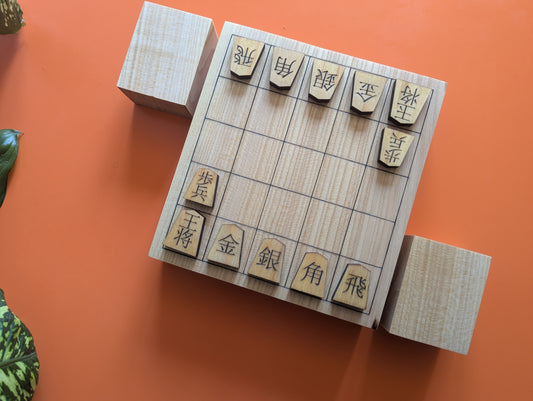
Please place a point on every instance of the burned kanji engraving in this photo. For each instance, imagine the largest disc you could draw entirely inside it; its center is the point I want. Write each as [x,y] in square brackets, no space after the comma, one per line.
[311,275]
[352,289]
[407,101]
[394,147]
[246,53]
[268,262]
[367,90]
[202,188]
[285,66]
[324,80]
[227,247]
[186,232]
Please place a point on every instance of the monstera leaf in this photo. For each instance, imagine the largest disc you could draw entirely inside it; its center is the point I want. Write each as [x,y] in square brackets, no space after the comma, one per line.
[9,147]
[19,366]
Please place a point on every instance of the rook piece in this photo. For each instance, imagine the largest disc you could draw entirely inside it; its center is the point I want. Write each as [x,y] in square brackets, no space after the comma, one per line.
[352,289]
[268,262]
[367,90]
[203,187]
[285,66]
[186,232]
[394,147]
[324,80]
[407,102]
[311,275]
[227,248]
[246,53]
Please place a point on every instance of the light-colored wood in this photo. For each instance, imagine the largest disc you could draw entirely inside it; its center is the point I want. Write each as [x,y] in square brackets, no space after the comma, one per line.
[436,294]
[227,247]
[325,78]
[245,55]
[352,289]
[394,146]
[268,262]
[408,101]
[186,232]
[168,58]
[311,275]
[203,187]
[367,90]
[284,67]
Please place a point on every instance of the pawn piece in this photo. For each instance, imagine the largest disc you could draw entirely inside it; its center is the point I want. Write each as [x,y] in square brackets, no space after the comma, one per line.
[203,187]
[394,147]
[311,275]
[268,263]
[285,66]
[246,53]
[186,232]
[407,102]
[324,80]
[227,248]
[367,90]
[352,289]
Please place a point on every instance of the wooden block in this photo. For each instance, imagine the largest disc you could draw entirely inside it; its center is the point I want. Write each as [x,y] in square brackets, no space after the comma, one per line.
[407,101]
[203,187]
[394,147]
[268,263]
[227,248]
[324,80]
[352,289]
[168,59]
[311,275]
[436,293]
[367,90]
[285,66]
[186,233]
[245,54]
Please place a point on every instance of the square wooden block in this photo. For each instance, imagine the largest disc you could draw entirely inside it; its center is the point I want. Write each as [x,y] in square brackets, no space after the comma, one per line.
[168,58]
[436,293]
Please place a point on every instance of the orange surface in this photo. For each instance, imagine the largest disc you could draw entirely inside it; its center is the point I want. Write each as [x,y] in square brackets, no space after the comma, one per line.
[94,170]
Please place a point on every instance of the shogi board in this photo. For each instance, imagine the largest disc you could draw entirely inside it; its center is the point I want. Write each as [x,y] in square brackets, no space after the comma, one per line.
[304,173]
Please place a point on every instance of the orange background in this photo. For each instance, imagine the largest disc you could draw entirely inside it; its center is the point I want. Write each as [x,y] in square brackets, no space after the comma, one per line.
[93,172]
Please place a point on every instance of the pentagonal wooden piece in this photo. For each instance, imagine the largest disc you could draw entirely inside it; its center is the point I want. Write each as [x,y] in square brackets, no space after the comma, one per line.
[203,187]
[268,263]
[352,289]
[367,90]
[227,248]
[186,232]
[407,101]
[394,147]
[325,78]
[311,275]
[244,56]
[285,66]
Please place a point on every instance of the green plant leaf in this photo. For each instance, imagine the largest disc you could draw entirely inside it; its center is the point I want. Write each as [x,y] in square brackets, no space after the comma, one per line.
[9,147]
[10,16]
[19,366]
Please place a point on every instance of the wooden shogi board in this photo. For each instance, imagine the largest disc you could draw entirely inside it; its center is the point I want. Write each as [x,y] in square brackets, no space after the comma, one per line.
[301,172]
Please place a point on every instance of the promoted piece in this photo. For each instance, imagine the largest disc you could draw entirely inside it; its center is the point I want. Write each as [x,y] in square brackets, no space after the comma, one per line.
[367,90]
[407,101]
[227,248]
[186,232]
[394,147]
[324,80]
[352,289]
[203,187]
[268,263]
[311,276]
[285,66]
[436,293]
[245,54]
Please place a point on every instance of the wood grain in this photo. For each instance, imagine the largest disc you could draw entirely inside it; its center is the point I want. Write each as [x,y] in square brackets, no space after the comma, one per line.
[203,187]
[367,91]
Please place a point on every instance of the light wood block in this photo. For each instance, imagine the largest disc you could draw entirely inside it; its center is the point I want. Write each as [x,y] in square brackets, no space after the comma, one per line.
[227,248]
[436,293]
[268,262]
[186,232]
[394,146]
[203,187]
[407,101]
[311,276]
[352,289]
[285,66]
[324,80]
[367,90]
[245,55]
[167,60]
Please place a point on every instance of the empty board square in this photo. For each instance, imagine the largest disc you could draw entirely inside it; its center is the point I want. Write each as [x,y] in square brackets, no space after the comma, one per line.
[225,70]
[257,157]
[243,201]
[270,114]
[284,213]
[311,125]
[325,226]
[231,102]
[297,169]
[381,193]
[339,181]
[367,239]
[217,145]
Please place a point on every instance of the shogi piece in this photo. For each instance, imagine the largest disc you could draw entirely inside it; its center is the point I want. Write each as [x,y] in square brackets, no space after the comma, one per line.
[311,275]
[435,294]
[268,263]
[227,248]
[245,54]
[186,233]
[168,58]
[203,187]
[367,90]
[408,100]
[394,147]
[285,66]
[352,289]
[324,80]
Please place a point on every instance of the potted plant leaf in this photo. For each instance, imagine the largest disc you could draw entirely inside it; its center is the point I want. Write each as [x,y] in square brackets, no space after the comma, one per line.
[10,16]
